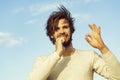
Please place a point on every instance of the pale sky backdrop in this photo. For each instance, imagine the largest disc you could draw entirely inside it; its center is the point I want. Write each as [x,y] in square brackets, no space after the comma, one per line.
[23,35]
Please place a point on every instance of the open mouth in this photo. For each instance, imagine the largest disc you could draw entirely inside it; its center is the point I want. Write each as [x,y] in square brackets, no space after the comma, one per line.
[62,36]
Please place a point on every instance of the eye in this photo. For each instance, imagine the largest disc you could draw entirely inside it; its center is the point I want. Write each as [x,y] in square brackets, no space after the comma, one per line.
[65,27]
[56,28]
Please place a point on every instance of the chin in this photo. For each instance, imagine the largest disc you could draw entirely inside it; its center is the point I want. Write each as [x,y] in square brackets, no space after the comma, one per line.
[67,43]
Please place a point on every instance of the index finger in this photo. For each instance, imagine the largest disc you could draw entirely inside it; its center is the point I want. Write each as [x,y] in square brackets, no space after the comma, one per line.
[90,26]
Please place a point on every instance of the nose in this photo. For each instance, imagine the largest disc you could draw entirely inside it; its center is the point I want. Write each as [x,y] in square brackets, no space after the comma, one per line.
[61,31]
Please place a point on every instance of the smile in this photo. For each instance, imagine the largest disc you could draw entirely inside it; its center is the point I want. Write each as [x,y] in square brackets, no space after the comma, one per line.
[62,36]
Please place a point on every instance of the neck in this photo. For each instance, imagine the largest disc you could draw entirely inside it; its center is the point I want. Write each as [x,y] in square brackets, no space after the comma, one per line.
[69,50]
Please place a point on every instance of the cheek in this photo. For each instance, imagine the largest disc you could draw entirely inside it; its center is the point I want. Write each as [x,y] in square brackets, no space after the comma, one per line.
[68,37]
[55,36]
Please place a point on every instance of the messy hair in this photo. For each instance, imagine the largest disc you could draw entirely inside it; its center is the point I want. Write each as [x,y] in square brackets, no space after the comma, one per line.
[53,19]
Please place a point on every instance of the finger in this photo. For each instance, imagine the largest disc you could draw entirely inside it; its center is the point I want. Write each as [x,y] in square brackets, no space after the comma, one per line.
[88,37]
[93,27]
[60,39]
[99,30]
[90,26]
[57,39]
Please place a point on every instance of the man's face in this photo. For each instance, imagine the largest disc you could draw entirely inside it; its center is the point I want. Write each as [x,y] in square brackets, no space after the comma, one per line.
[63,30]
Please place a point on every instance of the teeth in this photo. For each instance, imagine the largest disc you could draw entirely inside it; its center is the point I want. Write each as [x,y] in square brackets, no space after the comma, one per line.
[63,36]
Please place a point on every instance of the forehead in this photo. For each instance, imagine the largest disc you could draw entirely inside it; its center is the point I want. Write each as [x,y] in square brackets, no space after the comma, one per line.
[63,21]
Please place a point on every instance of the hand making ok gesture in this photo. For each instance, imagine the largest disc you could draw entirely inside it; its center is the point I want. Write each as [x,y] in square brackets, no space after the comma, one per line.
[95,40]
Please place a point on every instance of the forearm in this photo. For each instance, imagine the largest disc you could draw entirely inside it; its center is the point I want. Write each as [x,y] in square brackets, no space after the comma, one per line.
[42,71]
[113,63]
[104,49]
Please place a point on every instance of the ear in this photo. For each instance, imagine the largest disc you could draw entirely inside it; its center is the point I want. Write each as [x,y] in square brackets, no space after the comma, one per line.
[51,37]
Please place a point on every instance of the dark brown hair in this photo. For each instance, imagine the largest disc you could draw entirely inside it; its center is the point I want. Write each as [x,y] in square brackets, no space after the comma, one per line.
[53,19]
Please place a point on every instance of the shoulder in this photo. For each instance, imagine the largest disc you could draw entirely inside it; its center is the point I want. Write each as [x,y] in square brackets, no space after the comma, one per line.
[41,58]
[38,61]
[87,53]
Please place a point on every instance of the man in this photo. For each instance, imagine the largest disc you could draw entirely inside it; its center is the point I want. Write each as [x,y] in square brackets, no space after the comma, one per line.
[68,63]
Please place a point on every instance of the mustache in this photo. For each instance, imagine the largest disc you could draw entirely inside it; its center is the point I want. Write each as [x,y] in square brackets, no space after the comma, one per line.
[65,35]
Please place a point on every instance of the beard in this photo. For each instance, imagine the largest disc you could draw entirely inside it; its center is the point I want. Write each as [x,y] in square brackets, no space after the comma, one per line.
[67,43]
